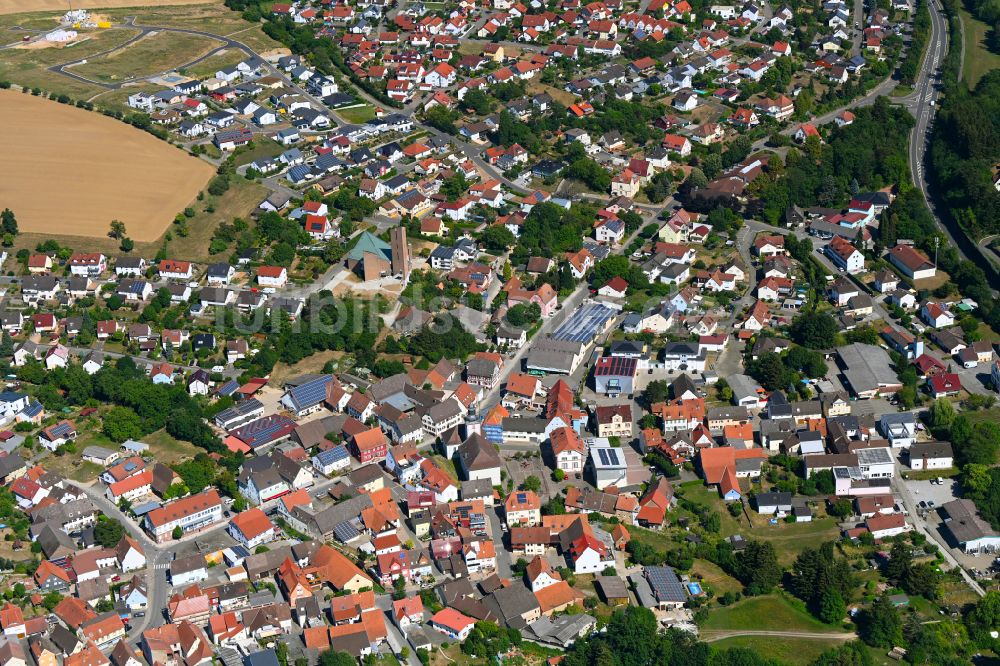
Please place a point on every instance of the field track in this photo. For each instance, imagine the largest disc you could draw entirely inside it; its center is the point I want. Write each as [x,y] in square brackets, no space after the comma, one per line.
[24,6]
[70,172]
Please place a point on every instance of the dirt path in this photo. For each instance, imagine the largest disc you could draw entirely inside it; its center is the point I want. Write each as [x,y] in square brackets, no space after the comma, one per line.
[710,636]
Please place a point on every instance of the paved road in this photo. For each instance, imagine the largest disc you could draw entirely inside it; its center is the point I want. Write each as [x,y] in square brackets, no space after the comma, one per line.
[859,20]
[156,577]
[919,104]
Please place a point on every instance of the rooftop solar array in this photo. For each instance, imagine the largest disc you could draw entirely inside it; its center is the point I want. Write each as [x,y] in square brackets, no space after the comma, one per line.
[229,388]
[333,455]
[584,324]
[245,407]
[311,393]
[345,532]
[609,457]
[615,366]
[874,456]
[666,585]
[61,429]
[265,430]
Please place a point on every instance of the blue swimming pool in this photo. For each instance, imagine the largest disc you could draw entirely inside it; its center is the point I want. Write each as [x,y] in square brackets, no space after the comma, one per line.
[694,589]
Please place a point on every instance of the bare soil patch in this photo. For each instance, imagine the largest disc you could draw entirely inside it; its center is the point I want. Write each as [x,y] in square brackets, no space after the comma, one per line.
[69,171]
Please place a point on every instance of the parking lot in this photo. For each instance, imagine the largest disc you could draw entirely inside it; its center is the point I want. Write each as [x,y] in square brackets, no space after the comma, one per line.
[927,491]
[929,498]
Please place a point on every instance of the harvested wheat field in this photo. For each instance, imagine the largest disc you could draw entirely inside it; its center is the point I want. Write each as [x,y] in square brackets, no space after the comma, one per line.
[68,171]
[23,6]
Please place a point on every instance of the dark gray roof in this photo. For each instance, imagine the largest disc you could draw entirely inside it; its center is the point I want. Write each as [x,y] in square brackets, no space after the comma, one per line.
[774,499]
[930,450]
[511,603]
[477,453]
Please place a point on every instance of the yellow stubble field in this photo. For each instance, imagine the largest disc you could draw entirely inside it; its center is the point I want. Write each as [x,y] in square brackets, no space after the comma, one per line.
[67,171]
[22,6]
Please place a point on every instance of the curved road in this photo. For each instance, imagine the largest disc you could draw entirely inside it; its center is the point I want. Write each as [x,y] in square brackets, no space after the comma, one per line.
[144,30]
[922,103]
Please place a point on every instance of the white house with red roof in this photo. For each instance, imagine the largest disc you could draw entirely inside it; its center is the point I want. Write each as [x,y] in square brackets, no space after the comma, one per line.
[944,384]
[845,255]
[616,287]
[913,263]
[805,131]
[252,528]
[588,554]
[678,144]
[937,315]
[441,76]
[272,276]
[87,264]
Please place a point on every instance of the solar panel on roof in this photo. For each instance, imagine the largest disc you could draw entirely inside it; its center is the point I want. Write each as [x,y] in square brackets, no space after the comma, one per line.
[521,498]
[584,324]
[129,466]
[666,584]
[345,532]
[310,393]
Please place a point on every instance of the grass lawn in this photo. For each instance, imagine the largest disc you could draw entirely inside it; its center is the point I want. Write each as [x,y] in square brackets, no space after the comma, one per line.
[879,656]
[988,334]
[155,53]
[209,66]
[715,578]
[308,365]
[698,493]
[957,593]
[928,474]
[790,539]
[447,465]
[262,147]
[794,651]
[563,97]
[978,59]
[901,91]
[654,538]
[992,414]
[357,114]
[72,465]
[167,450]
[241,198]
[771,612]
[210,17]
